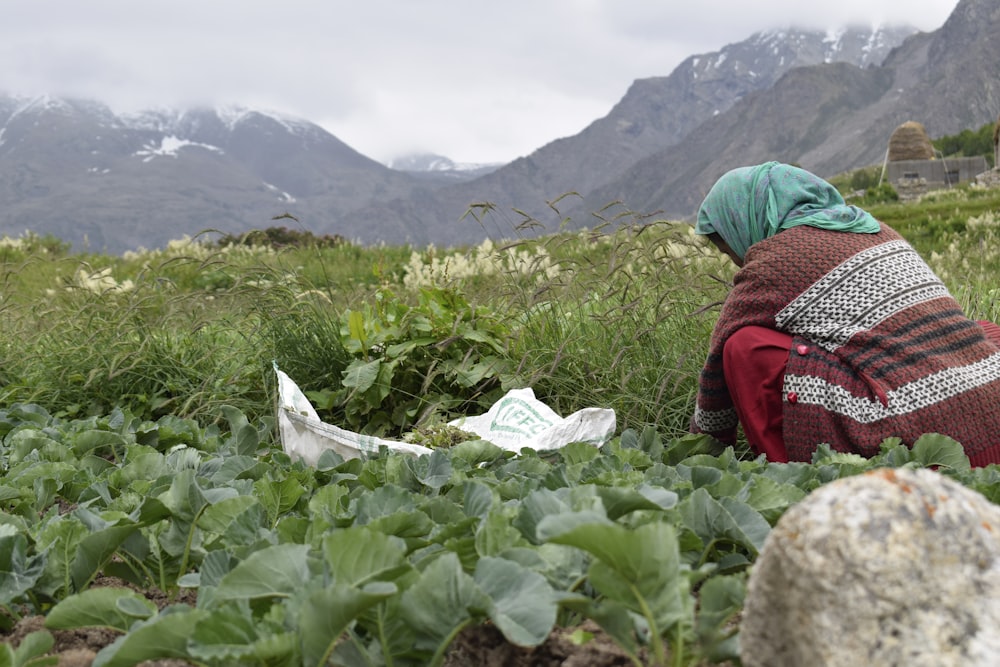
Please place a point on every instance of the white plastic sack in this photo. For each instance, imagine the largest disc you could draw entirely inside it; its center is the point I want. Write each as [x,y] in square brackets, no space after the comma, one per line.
[305,436]
[519,420]
[516,421]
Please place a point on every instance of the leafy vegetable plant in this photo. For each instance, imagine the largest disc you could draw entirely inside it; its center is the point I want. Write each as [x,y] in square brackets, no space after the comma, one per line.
[412,364]
[386,560]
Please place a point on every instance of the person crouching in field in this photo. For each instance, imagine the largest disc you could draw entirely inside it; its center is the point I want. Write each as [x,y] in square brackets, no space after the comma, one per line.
[835,331]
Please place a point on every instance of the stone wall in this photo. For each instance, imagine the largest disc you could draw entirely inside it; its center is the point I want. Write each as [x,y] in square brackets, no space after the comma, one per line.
[913,178]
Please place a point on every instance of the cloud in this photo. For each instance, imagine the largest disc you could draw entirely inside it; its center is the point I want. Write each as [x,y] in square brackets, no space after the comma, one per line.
[475,81]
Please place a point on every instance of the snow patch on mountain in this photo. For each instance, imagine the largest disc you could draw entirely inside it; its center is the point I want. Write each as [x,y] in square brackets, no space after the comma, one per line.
[282,195]
[159,119]
[169,146]
[430,162]
[182,123]
[233,115]
[40,103]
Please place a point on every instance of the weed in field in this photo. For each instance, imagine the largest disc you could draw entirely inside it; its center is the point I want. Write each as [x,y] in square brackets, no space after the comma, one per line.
[98,343]
[624,328]
[197,249]
[968,263]
[98,281]
[432,268]
[30,243]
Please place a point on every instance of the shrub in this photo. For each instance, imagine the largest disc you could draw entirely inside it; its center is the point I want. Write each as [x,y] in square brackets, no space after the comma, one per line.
[878,194]
[281,237]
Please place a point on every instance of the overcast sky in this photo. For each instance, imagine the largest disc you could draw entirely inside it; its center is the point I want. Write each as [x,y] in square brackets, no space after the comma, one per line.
[476,81]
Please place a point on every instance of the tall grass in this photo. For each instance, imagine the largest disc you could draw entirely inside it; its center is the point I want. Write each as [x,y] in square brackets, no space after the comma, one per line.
[624,326]
[616,317]
[85,350]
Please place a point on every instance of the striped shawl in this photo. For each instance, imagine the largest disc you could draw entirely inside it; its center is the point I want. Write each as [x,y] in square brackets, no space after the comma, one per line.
[889,352]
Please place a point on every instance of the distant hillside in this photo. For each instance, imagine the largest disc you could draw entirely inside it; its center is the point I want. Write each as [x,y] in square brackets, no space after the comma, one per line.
[74,169]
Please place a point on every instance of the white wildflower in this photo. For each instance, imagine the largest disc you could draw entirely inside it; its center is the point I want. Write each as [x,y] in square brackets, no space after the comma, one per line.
[100,282]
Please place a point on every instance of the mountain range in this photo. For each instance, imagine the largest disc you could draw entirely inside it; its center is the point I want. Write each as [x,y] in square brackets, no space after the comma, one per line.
[827,101]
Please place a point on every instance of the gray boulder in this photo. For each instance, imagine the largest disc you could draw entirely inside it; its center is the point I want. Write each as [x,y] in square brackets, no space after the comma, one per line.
[893,567]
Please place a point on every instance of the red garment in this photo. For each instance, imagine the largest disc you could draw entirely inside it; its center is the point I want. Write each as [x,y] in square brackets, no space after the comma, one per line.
[754,361]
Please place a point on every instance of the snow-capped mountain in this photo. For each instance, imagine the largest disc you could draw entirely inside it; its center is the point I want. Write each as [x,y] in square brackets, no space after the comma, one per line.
[433,166]
[658,112]
[108,182]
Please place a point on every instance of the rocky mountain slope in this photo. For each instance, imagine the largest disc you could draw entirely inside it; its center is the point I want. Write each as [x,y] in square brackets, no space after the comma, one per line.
[830,118]
[659,112]
[653,116]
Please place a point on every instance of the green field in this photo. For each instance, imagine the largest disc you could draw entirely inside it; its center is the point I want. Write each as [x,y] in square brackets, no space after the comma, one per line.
[137,411]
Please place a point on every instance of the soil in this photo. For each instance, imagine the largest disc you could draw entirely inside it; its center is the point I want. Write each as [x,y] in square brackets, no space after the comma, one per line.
[479,646]
[77,648]
[485,646]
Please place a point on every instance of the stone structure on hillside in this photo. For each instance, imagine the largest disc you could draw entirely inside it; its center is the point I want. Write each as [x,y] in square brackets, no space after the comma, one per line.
[896,567]
[909,141]
[912,169]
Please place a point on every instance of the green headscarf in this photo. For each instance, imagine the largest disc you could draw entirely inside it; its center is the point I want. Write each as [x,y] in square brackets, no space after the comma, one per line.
[750,204]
